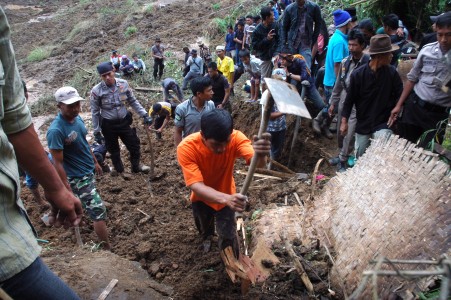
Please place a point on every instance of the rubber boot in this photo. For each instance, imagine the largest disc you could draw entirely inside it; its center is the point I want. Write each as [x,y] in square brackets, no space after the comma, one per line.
[117,163]
[325,128]
[136,167]
[317,121]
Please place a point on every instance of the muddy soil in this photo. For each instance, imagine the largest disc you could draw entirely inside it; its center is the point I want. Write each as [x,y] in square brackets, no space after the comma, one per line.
[150,222]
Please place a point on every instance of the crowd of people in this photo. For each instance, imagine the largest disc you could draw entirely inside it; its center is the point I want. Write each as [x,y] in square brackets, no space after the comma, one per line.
[360,82]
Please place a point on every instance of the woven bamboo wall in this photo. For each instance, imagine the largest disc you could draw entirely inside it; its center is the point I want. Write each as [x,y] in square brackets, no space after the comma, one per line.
[395,202]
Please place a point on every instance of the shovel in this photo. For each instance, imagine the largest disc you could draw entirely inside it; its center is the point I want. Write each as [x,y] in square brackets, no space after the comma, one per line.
[297,124]
[288,101]
[152,159]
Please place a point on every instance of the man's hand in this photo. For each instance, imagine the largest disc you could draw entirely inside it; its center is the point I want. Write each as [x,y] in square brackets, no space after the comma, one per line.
[393,115]
[237,202]
[343,126]
[98,137]
[262,146]
[271,34]
[98,169]
[148,120]
[331,110]
[220,106]
[66,208]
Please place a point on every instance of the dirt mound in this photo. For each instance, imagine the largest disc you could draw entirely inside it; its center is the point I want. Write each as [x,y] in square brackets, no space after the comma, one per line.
[96,269]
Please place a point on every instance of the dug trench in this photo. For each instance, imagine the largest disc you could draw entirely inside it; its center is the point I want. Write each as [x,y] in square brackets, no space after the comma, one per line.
[151,223]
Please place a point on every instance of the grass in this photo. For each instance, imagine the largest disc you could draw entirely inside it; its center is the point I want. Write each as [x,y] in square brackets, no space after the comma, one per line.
[148,9]
[39,54]
[216,6]
[44,106]
[79,27]
[131,30]
[82,2]
[109,11]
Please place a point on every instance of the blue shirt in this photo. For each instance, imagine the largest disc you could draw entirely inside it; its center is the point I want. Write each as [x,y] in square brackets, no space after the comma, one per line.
[336,51]
[277,124]
[276,13]
[71,138]
[230,44]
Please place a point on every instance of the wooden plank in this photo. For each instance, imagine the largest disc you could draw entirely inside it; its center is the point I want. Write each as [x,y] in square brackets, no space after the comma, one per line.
[274,173]
[108,289]
[298,265]
[259,175]
[145,89]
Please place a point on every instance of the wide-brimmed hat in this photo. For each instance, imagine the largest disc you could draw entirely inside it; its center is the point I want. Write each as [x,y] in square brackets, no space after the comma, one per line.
[380,43]
[434,18]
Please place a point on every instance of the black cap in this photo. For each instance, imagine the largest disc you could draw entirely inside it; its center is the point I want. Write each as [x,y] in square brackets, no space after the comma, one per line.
[105,67]
[193,51]
[353,12]
[156,107]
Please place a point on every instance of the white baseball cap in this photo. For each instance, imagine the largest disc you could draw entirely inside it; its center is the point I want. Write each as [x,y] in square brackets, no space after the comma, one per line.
[67,95]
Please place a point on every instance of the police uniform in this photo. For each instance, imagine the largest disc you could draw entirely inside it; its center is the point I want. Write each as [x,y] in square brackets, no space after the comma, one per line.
[110,115]
[427,104]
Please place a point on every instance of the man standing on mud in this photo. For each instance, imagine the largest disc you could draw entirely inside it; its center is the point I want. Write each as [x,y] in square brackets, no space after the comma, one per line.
[158,58]
[207,159]
[23,274]
[189,112]
[110,115]
[74,160]
[265,41]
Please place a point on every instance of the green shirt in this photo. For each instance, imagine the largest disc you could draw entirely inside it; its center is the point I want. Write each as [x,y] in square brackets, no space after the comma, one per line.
[18,246]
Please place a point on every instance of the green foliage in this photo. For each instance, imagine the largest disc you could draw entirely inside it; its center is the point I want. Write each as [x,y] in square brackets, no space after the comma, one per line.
[148,9]
[109,11]
[80,27]
[39,54]
[45,105]
[130,2]
[216,6]
[221,24]
[82,2]
[131,30]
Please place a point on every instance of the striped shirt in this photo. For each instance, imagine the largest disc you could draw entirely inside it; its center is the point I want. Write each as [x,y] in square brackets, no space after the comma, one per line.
[18,246]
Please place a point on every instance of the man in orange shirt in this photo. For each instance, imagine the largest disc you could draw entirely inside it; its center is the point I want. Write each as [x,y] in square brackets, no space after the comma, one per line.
[207,159]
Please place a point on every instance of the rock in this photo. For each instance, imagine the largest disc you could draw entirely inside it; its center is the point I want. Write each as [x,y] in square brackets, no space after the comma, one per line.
[77,50]
[143,249]
[132,200]
[116,189]
[126,176]
[154,268]
[175,266]
[159,275]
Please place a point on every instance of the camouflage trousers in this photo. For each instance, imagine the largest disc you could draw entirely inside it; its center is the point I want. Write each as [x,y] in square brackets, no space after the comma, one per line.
[85,190]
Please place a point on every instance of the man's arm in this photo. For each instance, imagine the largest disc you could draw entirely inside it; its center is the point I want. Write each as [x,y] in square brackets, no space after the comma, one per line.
[318,20]
[165,122]
[178,135]
[336,68]
[97,167]
[236,202]
[226,97]
[408,87]
[95,111]
[66,208]
[58,158]
[336,92]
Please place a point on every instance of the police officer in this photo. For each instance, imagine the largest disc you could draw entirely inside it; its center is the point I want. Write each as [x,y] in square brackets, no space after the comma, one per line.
[425,98]
[111,117]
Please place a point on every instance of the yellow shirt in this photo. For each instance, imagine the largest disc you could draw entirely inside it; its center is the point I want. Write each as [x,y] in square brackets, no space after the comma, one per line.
[226,67]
